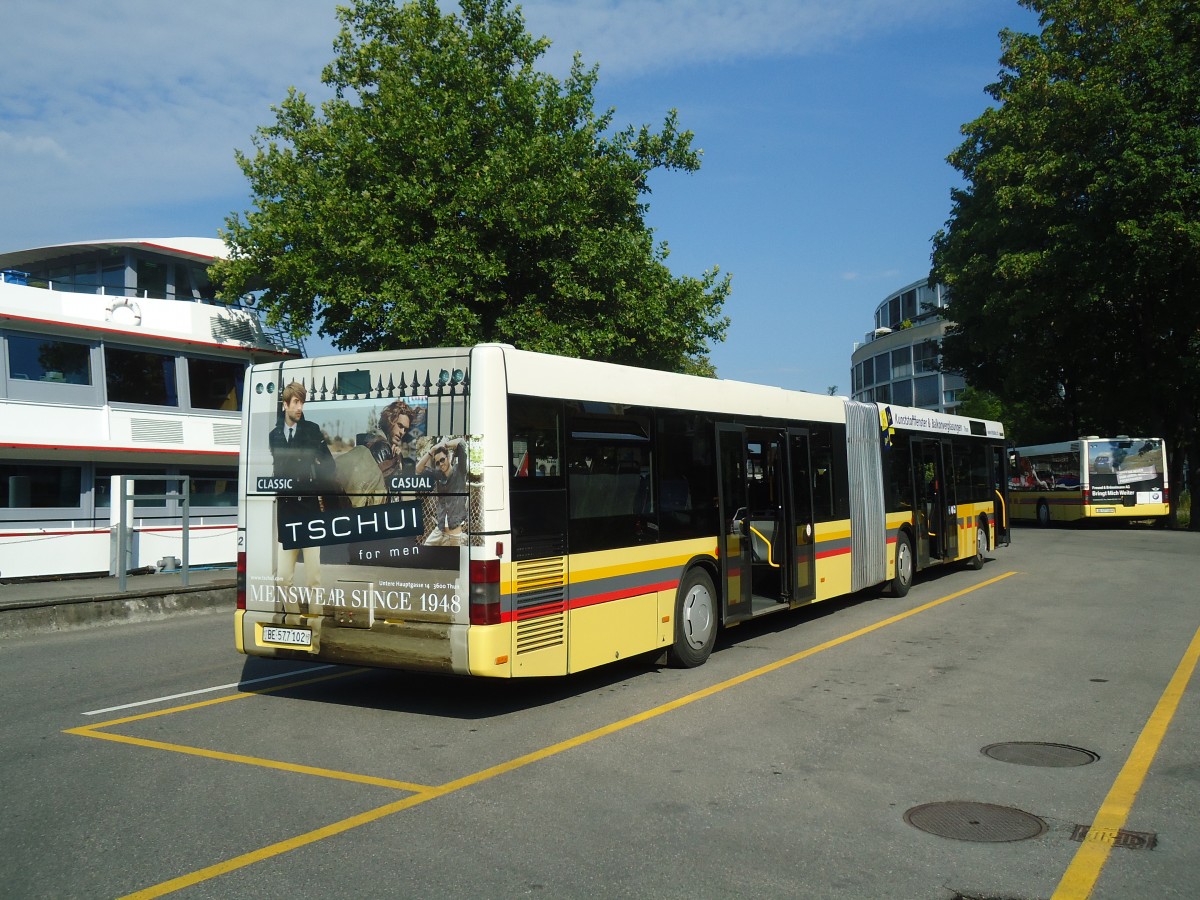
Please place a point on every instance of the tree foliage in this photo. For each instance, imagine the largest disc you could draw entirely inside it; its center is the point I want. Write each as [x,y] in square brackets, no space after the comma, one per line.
[1072,253]
[450,193]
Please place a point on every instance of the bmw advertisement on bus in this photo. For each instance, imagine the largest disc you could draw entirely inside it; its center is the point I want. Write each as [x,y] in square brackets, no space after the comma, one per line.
[358,497]
[1124,470]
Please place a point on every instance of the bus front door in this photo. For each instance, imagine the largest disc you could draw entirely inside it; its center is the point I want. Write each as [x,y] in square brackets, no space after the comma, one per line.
[736,566]
[1000,495]
[804,560]
[937,514]
[768,547]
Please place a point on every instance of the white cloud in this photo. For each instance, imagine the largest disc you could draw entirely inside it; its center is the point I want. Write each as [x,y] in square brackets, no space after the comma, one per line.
[630,37]
[128,105]
[114,107]
[12,145]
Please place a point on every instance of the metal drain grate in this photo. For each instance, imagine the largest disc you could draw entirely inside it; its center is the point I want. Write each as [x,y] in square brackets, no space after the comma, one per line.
[966,820]
[1035,753]
[1131,840]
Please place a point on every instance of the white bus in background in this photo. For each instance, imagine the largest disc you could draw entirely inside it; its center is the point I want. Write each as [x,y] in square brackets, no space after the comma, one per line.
[1090,478]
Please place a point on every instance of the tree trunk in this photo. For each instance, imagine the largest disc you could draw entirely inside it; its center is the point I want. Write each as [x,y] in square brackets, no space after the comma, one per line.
[1193,486]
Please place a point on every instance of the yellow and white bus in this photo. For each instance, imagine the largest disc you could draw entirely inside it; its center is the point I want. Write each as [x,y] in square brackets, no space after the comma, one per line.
[495,512]
[1090,478]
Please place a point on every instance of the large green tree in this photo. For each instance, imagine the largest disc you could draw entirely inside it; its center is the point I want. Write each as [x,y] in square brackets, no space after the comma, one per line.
[450,193]
[1072,253]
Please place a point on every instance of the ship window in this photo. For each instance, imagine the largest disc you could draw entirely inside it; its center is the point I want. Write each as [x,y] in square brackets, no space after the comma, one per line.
[48,360]
[206,487]
[146,494]
[139,376]
[112,276]
[201,286]
[215,384]
[213,488]
[25,486]
[183,283]
[151,278]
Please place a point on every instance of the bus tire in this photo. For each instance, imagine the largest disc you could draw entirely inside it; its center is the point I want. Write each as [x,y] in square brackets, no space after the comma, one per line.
[905,566]
[695,620]
[1043,514]
[981,545]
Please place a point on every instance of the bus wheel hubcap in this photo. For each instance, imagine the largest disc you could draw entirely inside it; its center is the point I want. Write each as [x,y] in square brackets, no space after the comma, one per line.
[697,617]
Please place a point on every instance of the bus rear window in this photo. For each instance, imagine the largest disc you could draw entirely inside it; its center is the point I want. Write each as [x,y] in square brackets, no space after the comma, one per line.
[534,438]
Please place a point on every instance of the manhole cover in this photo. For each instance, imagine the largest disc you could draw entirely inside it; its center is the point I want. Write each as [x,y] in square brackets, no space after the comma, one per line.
[1034,753]
[965,820]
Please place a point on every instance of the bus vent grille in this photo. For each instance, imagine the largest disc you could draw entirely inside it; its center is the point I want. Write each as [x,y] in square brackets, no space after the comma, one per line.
[156,431]
[541,606]
[227,433]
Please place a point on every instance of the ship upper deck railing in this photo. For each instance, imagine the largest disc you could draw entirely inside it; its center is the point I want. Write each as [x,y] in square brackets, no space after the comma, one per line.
[280,335]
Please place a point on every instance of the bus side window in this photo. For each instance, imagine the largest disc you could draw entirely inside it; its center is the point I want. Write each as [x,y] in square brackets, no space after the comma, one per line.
[534,429]
[898,484]
[685,453]
[610,480]
[820,451]
[964,491]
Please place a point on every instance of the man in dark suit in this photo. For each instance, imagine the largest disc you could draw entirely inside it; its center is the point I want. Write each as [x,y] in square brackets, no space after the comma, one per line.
[300,454]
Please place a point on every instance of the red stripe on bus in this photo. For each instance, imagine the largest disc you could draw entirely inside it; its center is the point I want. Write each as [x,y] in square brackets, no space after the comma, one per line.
[533,612]
[609,596]
[527,614]
[825,554]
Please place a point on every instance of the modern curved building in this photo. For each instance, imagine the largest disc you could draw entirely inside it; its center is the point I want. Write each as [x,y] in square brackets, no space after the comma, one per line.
[898,360]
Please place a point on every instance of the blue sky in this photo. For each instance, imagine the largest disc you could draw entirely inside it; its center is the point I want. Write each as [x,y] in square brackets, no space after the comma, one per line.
[824,124]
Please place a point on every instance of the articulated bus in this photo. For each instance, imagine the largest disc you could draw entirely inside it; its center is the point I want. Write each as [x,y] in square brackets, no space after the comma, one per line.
[496,512]
[1090,478]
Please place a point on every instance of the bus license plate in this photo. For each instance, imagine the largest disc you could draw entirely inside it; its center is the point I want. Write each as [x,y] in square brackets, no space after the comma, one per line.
[296,637]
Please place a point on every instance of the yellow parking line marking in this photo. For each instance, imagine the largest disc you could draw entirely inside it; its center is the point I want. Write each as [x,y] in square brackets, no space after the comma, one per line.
[430,793]
[252,760]
[1083,872]
[94,731]
[301,840]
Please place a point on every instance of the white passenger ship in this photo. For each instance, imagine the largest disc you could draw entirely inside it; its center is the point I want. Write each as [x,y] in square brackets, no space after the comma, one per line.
[116,359]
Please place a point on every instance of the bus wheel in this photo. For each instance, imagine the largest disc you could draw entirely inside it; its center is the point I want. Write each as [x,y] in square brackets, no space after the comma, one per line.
[1043,514]
[695,620]
[903,578]
[981,545]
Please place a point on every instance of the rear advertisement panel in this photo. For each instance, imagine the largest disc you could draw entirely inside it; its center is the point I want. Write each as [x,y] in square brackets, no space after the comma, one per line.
[360,487]
[1126,472]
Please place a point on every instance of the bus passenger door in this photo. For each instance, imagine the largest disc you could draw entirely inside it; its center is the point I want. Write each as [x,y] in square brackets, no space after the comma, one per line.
[999,485]
[948,485]
[803,587]
[734,540]
[936,530]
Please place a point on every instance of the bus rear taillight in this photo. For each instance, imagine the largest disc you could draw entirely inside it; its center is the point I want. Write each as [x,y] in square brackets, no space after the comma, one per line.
[485,591]
[241,580]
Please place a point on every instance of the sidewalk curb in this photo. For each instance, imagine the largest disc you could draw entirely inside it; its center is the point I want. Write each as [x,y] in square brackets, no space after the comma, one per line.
[66,613]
